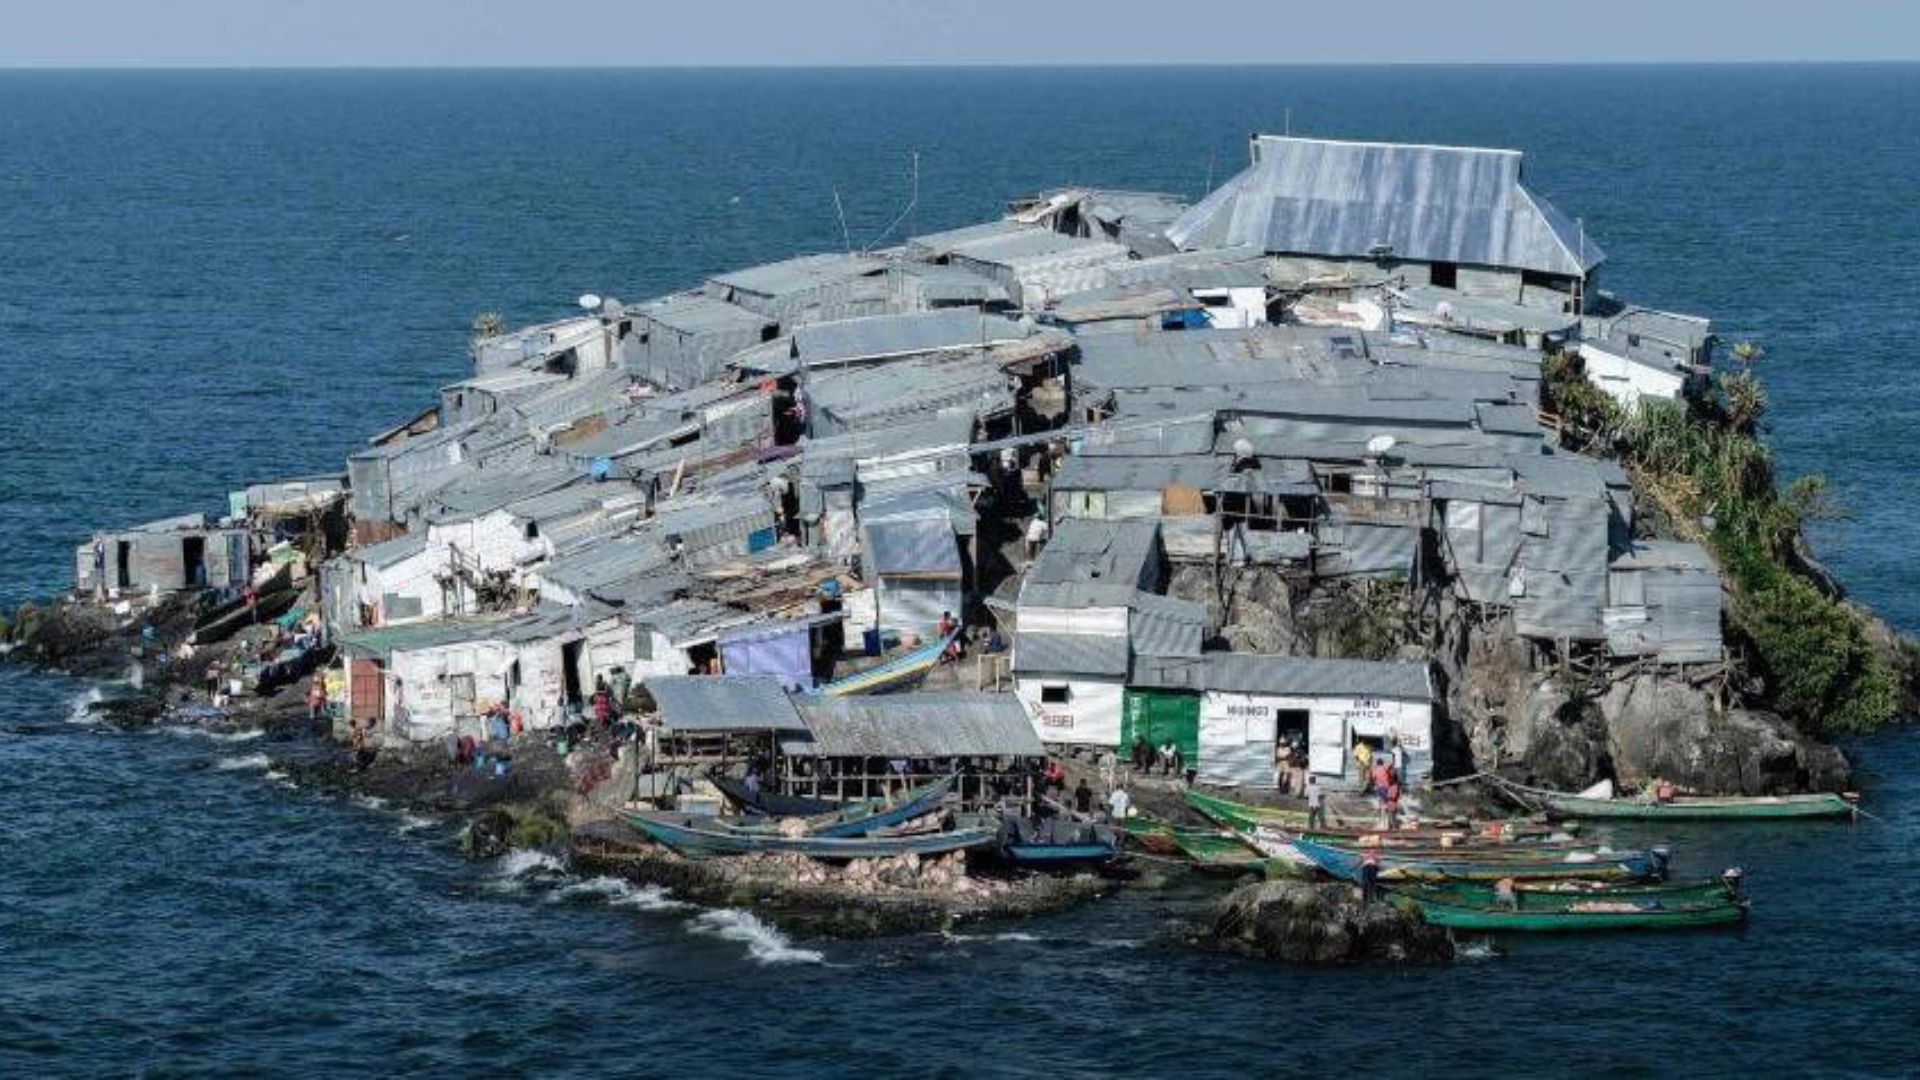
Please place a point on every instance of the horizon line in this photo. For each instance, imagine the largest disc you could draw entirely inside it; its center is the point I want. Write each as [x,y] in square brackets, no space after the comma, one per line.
[942,65]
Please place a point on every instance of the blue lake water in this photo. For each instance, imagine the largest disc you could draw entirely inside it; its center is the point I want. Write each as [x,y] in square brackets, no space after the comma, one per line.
[212,278]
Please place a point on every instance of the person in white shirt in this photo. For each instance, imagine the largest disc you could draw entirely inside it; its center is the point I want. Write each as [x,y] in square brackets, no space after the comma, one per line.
[1119,803]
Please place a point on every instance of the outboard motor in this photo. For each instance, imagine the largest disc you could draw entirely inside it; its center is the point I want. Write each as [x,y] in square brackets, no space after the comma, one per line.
[1736,882]
[1662,855]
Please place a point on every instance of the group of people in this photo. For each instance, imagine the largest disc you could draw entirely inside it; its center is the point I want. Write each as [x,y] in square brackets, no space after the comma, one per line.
[1166,757]
[1384,769]
[1290,763]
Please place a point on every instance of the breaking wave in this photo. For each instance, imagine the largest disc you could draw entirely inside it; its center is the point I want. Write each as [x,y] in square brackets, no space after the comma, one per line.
[1477,949]
[617,893]
[80,710]
[247,761]
[519,868]
[765,944]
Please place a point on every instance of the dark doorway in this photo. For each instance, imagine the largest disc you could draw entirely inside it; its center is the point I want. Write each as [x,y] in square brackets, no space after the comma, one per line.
[123,564]
[1290,724]
[570,672]
[193,559]
[1445,275]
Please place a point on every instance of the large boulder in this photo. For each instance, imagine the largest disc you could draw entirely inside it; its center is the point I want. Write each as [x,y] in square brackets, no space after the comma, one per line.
[1661,727]
[1307,923]
[1555,740]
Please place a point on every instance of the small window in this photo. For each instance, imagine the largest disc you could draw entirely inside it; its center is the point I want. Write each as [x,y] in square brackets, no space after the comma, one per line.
[768,333]
[1445,275]
[1056,694]
[533,530]
[1340,483]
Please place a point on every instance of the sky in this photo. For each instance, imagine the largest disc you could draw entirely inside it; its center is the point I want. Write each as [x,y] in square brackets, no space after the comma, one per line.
[565,33]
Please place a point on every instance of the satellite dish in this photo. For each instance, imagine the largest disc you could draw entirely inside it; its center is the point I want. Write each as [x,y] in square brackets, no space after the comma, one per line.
[1380,444]
[1443,311]
[589,301]
[1242,449]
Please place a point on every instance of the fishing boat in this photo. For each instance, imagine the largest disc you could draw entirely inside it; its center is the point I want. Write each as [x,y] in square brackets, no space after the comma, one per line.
[1548,895]
[770,803]
[901,671]
[1345,863]
[854,819]
[1046,855]
[1697,807]
[1243,817]
[697,837]
[1468,906]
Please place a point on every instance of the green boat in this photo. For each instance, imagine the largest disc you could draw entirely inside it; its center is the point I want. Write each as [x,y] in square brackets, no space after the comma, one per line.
[1561,895]
[1534,911]
[1242,817]
[1701,807]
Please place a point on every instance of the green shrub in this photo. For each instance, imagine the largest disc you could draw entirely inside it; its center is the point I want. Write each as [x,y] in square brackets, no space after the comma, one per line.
[1704,462]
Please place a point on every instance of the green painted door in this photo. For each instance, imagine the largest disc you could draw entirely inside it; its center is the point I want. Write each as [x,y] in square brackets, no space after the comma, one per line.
[1162,716]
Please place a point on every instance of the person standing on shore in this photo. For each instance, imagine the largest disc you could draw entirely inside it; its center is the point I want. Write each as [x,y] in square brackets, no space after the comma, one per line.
[1119,804]
[1370,876]
[1316,804]
[316,698]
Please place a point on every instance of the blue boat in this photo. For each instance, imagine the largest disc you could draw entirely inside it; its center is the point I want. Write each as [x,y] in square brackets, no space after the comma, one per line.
[1344,863]
[857,819]
[1050,856]
[1056,843]
[892,675]
[697,837]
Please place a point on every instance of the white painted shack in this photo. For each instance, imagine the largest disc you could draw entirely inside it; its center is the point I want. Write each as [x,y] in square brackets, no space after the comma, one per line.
[1251,703]
[425,681]
[1638,353]
[1087,610]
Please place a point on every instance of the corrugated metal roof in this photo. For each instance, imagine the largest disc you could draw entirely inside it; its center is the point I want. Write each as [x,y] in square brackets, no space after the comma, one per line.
[934,725]
[913,546]
[941,244]
[880,336]
[393,552]
[800,274]
[693,703]
[697,314]
[1108,552]
[1163,626]
[1664,555]
[1426,203]
[1069,654]
[1254,673]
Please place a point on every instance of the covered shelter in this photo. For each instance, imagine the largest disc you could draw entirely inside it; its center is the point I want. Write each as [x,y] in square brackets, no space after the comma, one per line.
[852,742]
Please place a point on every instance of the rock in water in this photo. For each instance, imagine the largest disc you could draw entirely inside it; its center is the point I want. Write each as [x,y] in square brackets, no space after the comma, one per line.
[1308,923]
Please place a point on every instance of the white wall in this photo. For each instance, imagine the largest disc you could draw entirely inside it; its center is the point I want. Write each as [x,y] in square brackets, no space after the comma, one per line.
[1627,381]
[1090,716]
[1109,622]
[411,577]
[1237,732]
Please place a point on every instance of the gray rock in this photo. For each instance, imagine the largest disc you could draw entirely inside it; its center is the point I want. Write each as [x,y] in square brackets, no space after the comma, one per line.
[1306,923]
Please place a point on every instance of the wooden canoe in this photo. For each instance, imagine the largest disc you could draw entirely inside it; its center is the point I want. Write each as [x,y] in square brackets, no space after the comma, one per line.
[1616,909]
[902,670]
[1560,895]
[854,819]
[1701,807]
[697,838]
[1344,863]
